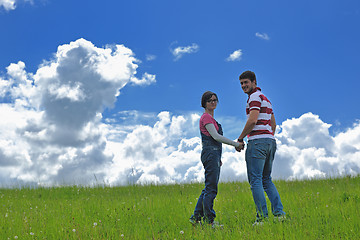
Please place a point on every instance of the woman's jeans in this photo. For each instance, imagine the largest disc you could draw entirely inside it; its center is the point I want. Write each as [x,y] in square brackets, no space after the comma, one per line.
[259,157]
[210,158]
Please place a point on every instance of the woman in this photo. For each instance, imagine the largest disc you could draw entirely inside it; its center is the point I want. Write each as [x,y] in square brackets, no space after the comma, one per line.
[212,139]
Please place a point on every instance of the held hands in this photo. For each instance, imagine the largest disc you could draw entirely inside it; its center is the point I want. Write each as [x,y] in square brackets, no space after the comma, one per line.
[241,146]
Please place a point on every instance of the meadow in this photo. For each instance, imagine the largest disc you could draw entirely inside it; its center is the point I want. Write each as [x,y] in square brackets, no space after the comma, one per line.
[316,209]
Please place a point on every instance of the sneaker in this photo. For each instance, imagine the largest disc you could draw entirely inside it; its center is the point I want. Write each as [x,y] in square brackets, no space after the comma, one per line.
[280,218]
[259,222]
[216,225]
[194,220]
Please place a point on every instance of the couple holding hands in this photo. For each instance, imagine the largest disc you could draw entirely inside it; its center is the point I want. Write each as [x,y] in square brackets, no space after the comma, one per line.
[261,146]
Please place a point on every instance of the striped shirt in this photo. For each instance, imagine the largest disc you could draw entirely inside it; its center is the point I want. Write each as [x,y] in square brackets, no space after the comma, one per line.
[260,102]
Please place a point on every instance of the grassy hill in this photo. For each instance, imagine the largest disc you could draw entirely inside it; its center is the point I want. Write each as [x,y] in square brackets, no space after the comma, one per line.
[319,209]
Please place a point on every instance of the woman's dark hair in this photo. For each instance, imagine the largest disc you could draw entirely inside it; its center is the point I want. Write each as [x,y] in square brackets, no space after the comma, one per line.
[206,96]
[248,75]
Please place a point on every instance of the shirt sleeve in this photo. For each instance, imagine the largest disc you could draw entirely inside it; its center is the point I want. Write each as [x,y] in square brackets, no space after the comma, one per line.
[204,120]
[211,129]
[254,102]
[207,119]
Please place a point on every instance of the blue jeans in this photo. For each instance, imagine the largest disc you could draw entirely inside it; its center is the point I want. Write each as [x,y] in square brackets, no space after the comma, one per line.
[210,158]
[259,157]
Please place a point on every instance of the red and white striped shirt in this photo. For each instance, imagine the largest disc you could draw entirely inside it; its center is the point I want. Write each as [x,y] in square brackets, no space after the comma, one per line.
[257,100]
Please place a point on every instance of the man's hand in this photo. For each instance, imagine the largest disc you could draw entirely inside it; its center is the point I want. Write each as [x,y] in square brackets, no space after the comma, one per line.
[241,146]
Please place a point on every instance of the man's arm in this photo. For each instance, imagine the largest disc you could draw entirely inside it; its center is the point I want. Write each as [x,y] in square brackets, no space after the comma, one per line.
[250,124]
[273,123]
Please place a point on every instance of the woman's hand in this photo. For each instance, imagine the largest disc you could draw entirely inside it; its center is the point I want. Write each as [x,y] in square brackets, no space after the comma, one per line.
[241,146]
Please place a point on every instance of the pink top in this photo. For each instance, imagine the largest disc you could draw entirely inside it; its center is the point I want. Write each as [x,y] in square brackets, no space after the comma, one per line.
[206,119]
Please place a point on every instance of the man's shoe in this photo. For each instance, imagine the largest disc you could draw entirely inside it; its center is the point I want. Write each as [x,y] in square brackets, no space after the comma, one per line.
[216,225]
[280,218]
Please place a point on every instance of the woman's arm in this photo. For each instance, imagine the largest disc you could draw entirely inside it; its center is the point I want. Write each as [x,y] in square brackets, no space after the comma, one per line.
[212,130]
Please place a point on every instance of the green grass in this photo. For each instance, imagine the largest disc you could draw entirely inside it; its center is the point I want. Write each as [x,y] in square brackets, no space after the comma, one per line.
[319,209]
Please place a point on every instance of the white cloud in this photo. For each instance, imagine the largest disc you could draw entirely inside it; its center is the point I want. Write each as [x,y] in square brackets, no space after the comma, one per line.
[4,86]
[53,130]
[12,4]
[305,150]
[150,57]
[146,79]
[262,36]
[235,56]
[181,50]
[8,4]
[165,152]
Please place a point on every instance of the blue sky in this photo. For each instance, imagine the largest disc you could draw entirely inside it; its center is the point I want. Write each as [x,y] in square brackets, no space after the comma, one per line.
[305,55]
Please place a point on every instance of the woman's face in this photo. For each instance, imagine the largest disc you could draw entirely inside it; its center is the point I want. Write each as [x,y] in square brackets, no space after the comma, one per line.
[211,103]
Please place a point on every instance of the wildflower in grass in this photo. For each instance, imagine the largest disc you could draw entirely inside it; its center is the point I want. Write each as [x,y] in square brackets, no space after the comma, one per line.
[122,235]
[181,232]
[16,237]
[32,234]
[74,230]
[95,224]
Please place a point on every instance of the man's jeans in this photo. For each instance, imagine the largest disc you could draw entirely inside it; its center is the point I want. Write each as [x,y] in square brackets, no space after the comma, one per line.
[259,159]
[210,158]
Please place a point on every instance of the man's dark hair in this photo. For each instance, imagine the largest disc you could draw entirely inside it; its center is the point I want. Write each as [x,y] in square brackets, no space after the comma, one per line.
[206,96]
[248,75]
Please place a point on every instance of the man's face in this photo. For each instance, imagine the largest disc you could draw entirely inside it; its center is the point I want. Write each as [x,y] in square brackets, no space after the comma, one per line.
[247,85]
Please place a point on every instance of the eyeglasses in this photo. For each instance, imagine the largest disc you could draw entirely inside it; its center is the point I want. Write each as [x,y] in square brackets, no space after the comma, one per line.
[212,100]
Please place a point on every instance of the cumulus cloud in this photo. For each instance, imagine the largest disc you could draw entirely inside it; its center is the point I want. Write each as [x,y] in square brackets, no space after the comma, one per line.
[11,4]
[179,52]
[235,56]
[166,152]
[146,79]
[263,36]
[7,4]
[53,130]
[306,150]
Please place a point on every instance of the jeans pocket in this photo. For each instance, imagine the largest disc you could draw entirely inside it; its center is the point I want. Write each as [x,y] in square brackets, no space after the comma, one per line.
[260,149]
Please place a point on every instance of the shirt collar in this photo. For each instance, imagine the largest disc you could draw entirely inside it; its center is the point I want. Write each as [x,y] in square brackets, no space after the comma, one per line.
[255,90]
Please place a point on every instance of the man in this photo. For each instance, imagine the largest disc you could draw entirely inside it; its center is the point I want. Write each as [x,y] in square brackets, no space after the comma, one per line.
[259,129]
